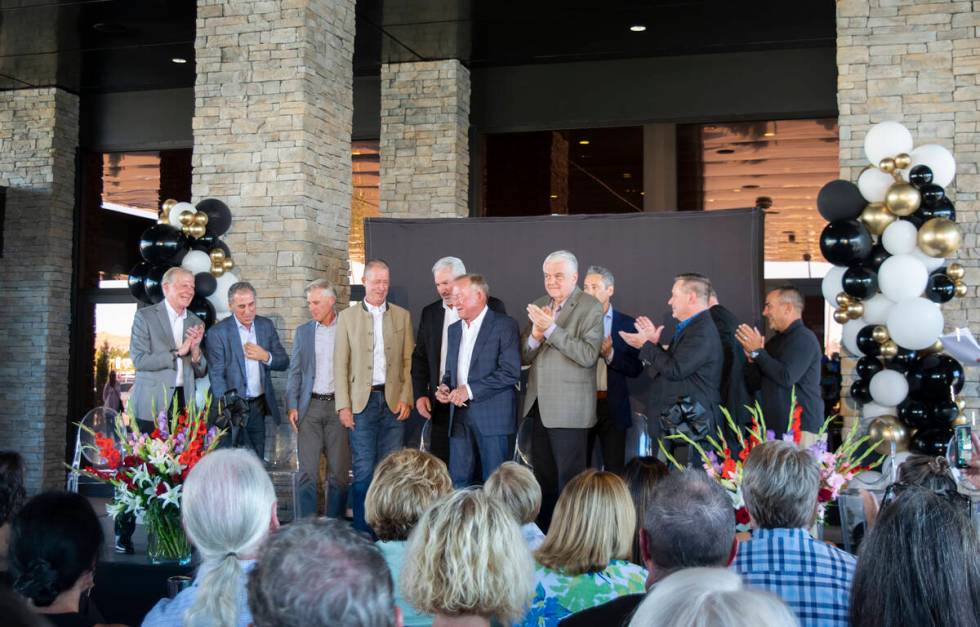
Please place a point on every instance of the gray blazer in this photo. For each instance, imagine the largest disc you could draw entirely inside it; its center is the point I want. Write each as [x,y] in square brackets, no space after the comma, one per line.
[156,367]
[562,374]
[302,369]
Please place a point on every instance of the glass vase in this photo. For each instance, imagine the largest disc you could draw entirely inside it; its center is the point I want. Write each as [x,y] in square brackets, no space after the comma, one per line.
[166,541]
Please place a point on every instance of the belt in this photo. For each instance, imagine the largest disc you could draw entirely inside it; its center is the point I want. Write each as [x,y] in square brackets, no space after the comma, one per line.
[255,398]
[378,388]
[321,397]
[601,394]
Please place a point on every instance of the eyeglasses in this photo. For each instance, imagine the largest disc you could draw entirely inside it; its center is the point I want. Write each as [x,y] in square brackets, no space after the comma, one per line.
[893,491]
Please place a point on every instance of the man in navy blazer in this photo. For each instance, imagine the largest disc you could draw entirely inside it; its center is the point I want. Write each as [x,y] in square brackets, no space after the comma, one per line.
[243,350]
[617,362]
[483,366]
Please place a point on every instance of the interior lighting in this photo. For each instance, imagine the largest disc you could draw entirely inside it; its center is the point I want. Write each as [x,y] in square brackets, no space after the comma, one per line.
[638,28]
[178,60]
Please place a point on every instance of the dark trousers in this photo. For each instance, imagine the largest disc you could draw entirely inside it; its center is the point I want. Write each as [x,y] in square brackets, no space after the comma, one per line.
[557,455]
[252,433]
[468,444]
[320,433]
[611,439]
[439,431]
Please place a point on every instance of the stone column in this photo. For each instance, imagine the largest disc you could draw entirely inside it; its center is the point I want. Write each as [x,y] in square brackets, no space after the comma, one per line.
[38,138]
[425,112]
[272,133]
[918,64]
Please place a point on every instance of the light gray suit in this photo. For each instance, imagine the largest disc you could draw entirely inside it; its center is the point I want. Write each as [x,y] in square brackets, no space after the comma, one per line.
[156,367]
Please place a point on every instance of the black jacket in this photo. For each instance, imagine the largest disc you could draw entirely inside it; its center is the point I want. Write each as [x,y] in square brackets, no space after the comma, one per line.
[734,394]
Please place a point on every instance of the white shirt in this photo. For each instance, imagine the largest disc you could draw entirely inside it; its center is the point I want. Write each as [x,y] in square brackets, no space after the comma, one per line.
[177,328]
[324,336]
[466,343]
[450,315]
[253,372]
[378,376]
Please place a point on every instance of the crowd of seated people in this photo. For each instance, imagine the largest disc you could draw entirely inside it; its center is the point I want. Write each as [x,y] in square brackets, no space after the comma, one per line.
[464,557]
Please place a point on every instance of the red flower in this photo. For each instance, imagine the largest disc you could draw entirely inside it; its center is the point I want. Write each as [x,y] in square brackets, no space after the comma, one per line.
[797,418]
[155,435]
[824,495]
[161,488]
[131,460]
[742,516]
[728,468]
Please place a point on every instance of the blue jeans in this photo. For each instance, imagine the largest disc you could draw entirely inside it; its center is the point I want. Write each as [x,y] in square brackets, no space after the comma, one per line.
[377,432]
[466,441]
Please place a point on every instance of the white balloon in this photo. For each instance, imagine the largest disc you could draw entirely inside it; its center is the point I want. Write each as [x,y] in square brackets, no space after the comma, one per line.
[900,237]
[831,285]
[931,263]
[873,410]
[889,387]
[178,209]
[886,139]
[848,336]
[916,323]
[902,277]
[938,159]
[196,261]
[874,184]
[220,296]
[876,309]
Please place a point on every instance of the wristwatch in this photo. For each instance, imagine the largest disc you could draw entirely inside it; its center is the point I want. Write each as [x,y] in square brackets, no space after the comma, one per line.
[755,353]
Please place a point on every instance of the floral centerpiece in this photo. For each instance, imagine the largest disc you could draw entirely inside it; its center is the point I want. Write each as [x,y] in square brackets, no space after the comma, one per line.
[147,472]
[836,468]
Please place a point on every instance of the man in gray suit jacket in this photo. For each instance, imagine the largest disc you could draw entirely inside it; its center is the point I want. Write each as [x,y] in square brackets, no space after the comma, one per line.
[561,347]
[165,347]
[311,405]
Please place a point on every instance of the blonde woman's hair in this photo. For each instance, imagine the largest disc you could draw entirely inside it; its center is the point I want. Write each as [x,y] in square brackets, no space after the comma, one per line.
[227,512]
[515,486]
[404,485]
[710,597]
[466,557]
[592,525]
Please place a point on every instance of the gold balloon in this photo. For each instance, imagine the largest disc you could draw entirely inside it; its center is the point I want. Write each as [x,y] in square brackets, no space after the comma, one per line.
[940,237]
[217,269]
[163,220]
[903,161]
[937,347]
[840,316]
[880,334]
[877,218]
[888,429]
[961,404]
[201,218]
[186,218]
[887,165]
[961,420]
[844,299]
[227,264]
[217,255]
[902,199]
[955,271]
[167,205]
[888,349]
[960,288]
[196,230]
[855,310]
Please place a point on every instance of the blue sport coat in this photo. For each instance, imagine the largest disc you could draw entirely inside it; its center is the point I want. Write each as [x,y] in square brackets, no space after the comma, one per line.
[625,364]
[302,368]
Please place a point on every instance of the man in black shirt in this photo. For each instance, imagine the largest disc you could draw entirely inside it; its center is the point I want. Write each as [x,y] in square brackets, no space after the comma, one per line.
[790,359]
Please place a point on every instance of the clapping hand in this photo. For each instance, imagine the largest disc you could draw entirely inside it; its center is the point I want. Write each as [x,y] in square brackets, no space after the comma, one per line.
[541,318]
[606,349]
[749,338]
[646,331]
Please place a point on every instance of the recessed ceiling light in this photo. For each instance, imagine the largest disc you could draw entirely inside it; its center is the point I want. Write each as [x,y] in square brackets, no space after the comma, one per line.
[638,28]
[769,134]
[627,175]
[583,142]
[554,196]
[179,60]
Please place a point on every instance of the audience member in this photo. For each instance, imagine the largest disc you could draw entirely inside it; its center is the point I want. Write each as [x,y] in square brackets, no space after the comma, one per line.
[404,485]
[780,484]
[321,573]
[466,562]
[926,471]
[55,542]
[919,565]
[514,485]
[710,597]
[11,496]
[582,561]
[112,393]
[229,507]
[16,613]
[641,475]
[689,523]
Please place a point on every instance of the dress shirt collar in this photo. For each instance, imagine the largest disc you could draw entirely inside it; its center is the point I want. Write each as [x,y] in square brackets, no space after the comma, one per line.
[242,326]
[478,320]
[683,323]
[317,324]
[373,309]
[609,314]
[172,313]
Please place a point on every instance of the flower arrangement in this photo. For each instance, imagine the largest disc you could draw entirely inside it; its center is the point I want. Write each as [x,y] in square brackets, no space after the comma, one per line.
[836,468]
[147,472]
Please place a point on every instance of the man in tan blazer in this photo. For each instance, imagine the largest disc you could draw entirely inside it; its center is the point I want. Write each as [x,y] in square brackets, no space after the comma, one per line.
[561,346]
[372,377]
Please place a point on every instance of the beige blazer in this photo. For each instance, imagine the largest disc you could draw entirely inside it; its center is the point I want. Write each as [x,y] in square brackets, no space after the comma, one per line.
[562,374]
[353,357]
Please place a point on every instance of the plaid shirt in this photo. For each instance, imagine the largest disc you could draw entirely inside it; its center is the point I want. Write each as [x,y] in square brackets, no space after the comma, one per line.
[813,578]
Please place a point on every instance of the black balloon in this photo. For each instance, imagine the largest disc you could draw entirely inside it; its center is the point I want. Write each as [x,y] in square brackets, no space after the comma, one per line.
[840,200]
[866,342]
[932,194]
[868,367]
[209,242]
[219,216]
[940,288]
[860,282]
[920,175]
[942,209]
[903,360]
[203,309]
[935,378]
[163,244]
[153,283]
[914,413]
[932,442]
[204,284]
[135,281]
[942,413]
[845,242]
[915,219]
[876,257]
[860,391]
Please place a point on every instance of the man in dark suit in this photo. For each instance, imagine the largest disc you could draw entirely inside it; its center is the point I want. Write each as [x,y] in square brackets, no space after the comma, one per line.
[688,372]
[243,350]
[734,394]
[617,362]
[429,357]
[483,364]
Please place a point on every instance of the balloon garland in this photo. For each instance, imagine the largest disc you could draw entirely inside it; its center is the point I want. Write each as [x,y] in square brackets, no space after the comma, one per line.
[888,237]
[188,236]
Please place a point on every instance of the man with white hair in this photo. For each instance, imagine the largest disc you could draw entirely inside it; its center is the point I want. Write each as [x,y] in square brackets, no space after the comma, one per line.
[561,346]
[429,357]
